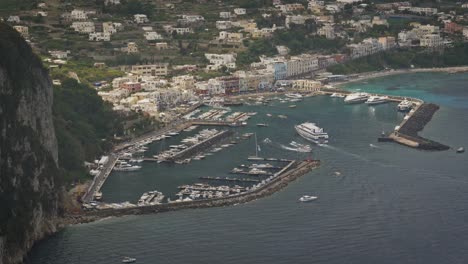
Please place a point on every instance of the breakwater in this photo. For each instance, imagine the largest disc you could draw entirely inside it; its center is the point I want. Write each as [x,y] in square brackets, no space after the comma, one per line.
[407,133]
[290,173]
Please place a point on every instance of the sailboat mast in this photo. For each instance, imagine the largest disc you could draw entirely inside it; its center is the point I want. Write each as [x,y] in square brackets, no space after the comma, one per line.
[256,146]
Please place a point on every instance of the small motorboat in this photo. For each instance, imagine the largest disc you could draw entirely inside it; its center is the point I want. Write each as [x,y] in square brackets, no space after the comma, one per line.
[128,260]
[307,198]
[460,150]
[262,125]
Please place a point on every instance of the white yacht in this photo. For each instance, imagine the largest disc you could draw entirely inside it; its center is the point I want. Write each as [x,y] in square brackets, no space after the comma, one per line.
[293,95]
[127,167]
[307,198]
[355,98]
[405,105]
[312,132]
[373,100]
[337,95]
[128,260]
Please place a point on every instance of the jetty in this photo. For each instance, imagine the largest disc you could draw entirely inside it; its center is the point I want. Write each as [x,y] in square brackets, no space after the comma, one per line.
[289,173]
[406,133]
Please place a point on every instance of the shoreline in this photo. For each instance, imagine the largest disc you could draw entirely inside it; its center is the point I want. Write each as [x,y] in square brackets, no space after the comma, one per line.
[377,74]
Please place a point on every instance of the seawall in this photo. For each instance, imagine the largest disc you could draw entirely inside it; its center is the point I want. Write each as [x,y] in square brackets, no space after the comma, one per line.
[297,169]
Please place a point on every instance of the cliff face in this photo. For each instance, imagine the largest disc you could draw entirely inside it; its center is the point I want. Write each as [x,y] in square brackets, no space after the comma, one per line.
[29,187]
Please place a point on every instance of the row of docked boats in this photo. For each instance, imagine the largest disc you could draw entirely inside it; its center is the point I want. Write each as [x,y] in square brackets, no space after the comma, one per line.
[355,98]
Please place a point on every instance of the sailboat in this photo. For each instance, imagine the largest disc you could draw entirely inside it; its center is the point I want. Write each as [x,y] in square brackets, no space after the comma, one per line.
[257,149]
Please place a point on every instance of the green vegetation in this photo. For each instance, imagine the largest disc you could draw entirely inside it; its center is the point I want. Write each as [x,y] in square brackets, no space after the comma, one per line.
[400,59]
[85,70]
[84,126]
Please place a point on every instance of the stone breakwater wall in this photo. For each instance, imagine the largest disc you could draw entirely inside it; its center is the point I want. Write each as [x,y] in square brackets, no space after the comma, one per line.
[409,130]
[297,169]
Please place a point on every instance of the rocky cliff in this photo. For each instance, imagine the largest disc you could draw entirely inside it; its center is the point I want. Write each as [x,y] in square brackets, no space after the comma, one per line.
[29,183]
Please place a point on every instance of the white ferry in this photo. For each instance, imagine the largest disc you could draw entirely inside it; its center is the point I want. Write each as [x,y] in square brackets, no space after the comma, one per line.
[127,167]
[405,105]
[373,100]
[312,132]
[355,98]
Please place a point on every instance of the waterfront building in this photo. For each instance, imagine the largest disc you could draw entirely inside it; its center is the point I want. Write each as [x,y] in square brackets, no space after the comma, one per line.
[280,70]
[159,69]
[302,64]
[307,85]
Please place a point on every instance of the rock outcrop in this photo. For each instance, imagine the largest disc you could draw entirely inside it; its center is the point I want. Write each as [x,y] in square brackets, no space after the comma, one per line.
[29,183]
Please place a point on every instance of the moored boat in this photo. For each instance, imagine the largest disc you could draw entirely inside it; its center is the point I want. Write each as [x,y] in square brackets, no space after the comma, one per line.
[373,100]
[405,106]
[356,98]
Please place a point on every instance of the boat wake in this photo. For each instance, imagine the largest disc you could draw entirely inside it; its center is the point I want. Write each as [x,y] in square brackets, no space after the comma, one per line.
[293,146]
[373,146]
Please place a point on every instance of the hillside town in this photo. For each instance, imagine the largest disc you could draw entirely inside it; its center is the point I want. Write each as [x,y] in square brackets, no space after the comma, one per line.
[164,64]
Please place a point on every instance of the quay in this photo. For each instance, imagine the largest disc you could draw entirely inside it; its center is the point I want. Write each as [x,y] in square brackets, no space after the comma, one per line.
[291,172]
[407,132]
[199,146]
[228,179]
[99,179]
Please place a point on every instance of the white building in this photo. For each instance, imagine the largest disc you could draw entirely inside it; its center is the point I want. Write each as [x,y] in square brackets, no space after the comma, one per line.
[428,11]
[152,35]
[307,85]
[181,31]
[431,40]
[327,31]
[112,2]
[140,18]
[366,47]
[78,14]
[240,11]
[223,24]
[298,65]
[24,31]
[13,19]
[83,27]
[218,60]
[58,54]
[226,15]
[99,36]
